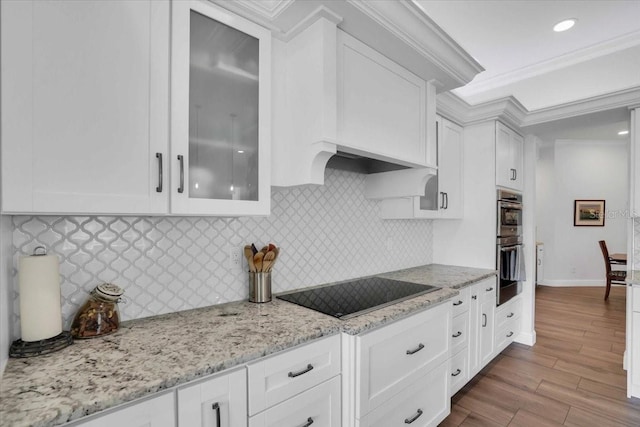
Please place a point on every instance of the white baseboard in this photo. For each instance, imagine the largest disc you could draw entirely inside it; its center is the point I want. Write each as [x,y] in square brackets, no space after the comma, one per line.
[526,338]
[571,283]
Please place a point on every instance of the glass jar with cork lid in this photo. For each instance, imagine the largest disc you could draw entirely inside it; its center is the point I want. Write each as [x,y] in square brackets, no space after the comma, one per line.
[99,315]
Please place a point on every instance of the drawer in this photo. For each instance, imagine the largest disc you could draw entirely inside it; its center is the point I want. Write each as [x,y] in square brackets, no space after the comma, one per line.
[390,358]
[461,302]
[319,406]
[276,378]
[460,333]
[426,400]
[507,333]
[488,290]
[459,371]
[509,310]
[636,297]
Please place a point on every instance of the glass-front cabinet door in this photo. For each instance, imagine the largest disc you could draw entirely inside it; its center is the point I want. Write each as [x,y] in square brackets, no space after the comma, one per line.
[220,135]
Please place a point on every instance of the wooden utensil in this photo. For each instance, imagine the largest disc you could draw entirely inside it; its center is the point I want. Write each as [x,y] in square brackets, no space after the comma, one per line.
[265,250]
[248,254]
[257,260]
[267,261]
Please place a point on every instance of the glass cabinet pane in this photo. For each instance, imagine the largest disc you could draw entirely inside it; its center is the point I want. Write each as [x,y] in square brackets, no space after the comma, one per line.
[223,111]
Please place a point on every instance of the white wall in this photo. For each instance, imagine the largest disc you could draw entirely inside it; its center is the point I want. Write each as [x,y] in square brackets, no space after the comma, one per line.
[577,169]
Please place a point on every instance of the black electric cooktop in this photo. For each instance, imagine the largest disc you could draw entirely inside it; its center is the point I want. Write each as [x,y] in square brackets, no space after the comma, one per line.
[349,299]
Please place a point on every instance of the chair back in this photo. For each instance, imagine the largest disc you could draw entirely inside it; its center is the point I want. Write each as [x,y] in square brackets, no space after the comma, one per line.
[605,254]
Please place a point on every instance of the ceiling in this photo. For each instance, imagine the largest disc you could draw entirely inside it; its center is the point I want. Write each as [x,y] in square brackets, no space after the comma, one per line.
[524,58]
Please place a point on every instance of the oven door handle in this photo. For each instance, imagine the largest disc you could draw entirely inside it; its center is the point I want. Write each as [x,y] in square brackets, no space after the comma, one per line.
[510,205]
[511,248]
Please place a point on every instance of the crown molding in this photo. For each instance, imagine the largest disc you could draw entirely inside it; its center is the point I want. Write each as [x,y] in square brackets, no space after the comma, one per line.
[554,64]
[407,20]
[510,111]
[270,9]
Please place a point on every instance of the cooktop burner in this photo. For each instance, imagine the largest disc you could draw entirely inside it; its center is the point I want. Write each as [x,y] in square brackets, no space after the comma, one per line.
[353,298]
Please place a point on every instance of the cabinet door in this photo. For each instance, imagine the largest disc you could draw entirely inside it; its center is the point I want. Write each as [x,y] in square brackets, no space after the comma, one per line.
[475,320]
[381,106]
[509,158]
[450,170]
[156,412]
[487,336]
[85,106]
[220,116]
[517,160]
[219,402]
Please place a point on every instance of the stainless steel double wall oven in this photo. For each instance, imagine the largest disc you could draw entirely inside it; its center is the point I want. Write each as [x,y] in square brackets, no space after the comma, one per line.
[509,253]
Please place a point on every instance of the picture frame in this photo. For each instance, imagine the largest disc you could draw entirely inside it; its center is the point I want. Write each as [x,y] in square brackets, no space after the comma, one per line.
[589,213]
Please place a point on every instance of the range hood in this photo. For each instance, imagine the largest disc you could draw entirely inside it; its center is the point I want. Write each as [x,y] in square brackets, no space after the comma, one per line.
[361,164]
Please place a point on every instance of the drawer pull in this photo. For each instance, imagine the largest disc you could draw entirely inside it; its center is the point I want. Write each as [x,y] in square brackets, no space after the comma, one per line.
[417,349]
[457,334]
[484,320]
[489,289]
[415,417]
[216,407]
[304,371]
[510,315]
[308,423]
[510,334]
[457,303]
[456,373]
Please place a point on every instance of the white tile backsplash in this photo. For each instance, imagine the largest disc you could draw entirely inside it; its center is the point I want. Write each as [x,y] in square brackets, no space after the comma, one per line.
[165,264]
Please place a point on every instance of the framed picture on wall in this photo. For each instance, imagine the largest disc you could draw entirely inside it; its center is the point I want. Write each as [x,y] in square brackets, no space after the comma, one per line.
[588,213]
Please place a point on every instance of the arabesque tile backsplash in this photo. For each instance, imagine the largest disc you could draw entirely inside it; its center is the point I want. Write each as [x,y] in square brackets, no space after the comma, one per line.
[165,264]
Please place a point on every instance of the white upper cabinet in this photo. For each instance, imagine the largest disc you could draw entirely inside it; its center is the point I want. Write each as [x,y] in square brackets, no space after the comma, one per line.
[220,112]
[85,106]
[440,196]
[509,158]
[86,109]
[382,107]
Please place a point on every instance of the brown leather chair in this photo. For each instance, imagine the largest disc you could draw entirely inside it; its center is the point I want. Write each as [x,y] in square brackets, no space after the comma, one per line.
[613,276]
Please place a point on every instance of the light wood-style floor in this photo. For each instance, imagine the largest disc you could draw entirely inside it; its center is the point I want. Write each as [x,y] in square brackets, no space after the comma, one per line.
[572,376]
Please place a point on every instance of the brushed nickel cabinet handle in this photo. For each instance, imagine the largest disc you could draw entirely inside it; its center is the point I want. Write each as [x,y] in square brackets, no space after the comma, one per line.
[510,315]
[457,334]
[442,200]
[304,371]
[456,373]
[181,160]
[216,407]
[414,351]
[489,289]
[446,197]
[457,303]
[308,423]
[510,334]
[415,417]
[484,320]
[159,187]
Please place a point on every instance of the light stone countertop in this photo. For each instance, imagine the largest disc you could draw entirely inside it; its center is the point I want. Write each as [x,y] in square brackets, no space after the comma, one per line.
[156,353]
[633,277]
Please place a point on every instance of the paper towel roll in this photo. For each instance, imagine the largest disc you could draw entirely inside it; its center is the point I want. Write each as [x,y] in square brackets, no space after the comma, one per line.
[40,312]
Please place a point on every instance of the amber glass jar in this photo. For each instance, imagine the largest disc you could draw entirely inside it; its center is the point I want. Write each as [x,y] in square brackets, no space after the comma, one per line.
[99,315]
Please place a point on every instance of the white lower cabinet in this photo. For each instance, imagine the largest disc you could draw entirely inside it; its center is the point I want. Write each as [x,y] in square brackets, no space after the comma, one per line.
[400,371]
[219,402]
[156,412]
[320,406]
[423,403]
[486,336]
[507,323]
[297,387]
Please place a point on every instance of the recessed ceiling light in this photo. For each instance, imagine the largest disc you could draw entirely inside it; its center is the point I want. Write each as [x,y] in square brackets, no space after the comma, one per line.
[623,132]
[564,25]
[240,151]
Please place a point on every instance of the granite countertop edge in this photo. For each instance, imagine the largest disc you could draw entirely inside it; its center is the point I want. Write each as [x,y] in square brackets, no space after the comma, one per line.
[42,391]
